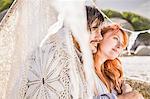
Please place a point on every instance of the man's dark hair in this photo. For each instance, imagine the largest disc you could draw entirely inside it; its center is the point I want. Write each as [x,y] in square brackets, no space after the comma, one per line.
[92,14]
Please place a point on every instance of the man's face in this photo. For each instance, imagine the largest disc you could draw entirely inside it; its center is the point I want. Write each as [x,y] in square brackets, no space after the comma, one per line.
[95,35]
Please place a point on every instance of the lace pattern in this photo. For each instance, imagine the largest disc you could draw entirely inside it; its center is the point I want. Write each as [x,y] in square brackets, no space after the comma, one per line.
[48,75]
[7,42]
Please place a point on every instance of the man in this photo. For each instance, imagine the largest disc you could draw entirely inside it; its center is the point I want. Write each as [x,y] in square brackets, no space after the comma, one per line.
[60,68]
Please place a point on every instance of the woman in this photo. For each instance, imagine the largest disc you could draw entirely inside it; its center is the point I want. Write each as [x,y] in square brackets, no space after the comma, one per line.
[94,20]
[107,65]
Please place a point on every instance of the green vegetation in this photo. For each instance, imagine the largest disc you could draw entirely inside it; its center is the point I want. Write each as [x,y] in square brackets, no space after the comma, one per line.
[4,4]
[112,13]
[138,22]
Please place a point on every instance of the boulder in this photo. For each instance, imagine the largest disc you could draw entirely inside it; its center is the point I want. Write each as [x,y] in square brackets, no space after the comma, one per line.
[142,50]
[124,23]
[2,14]
[142,44]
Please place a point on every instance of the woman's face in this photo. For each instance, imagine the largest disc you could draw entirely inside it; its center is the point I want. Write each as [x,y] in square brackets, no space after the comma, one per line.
[112,44]
[95,35]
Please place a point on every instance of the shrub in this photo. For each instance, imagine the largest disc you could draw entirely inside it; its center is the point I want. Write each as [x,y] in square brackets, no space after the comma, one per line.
[4,4]
[138,22]
[112,13]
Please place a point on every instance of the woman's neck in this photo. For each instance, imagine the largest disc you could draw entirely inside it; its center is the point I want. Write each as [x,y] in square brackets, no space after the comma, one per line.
[99,59]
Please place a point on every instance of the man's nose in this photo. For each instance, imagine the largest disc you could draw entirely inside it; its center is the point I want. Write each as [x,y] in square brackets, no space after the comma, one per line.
[99,36]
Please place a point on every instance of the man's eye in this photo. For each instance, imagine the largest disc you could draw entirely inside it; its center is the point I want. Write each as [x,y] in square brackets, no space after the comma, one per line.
[94,27]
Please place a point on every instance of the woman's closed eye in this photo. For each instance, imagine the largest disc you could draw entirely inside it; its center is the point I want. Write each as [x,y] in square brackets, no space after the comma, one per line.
[116,38]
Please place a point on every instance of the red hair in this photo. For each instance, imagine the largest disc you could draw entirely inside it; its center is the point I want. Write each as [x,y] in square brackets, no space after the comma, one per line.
[111,72]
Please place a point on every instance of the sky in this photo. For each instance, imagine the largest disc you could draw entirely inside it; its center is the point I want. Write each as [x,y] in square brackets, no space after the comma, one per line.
[141,7]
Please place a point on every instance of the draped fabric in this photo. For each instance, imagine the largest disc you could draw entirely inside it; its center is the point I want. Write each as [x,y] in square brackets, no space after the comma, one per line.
[48,75]
[7,44]
[28,67]
[21,30]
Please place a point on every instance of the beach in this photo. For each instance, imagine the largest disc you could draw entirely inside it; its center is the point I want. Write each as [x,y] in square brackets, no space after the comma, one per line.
[137,67]
[137,73]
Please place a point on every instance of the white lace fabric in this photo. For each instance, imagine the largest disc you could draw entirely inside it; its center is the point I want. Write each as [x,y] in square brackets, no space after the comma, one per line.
[7,43]
[21,32]
[18,37]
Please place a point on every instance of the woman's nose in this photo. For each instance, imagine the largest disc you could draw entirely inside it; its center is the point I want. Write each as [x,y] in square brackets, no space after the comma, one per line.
[119,45]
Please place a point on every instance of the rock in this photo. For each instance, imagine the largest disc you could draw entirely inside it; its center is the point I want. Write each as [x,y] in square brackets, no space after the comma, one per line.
[142,50]
[141,44]
[124,23]
[2,14]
